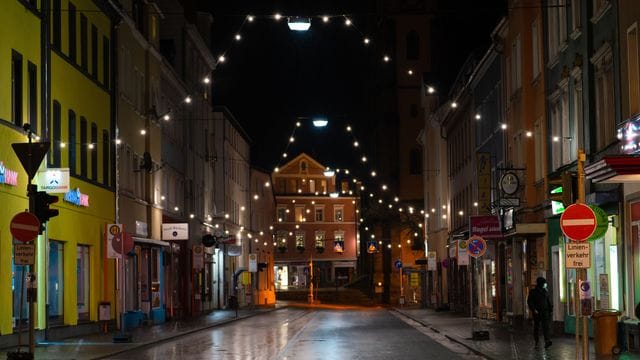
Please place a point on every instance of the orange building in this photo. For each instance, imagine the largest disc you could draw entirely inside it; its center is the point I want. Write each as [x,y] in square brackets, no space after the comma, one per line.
[315,221]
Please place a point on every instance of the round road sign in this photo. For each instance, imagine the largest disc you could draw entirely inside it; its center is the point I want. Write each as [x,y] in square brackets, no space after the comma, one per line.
[25,226]
[477,246]
[578,222]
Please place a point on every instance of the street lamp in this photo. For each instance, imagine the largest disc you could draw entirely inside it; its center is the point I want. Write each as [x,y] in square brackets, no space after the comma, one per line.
[299,24]
[320,122]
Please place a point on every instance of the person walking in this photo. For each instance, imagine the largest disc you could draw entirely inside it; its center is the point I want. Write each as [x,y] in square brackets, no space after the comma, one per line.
[541,308]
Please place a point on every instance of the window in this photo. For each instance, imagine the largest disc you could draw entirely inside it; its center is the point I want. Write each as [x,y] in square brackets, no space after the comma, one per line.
[535,49]
[281,239]
[94,51]
[83,146]
[338,241]
[567,139]
[605,107]
[299,213]
[16,88]
[516,64]
[556,126]
[73,140]
[539,149]
[57,24]
[413,45]
[300,239]
[106,149]
[338,211]
[633,65]
[32,73]
[577,113]
[83,42]
[73,37]
[55,282]
[56,132]
[106,51]
[415,162]
[83,275]
[552,24]
[319,239]
[319,214]
[303,167]
[576,16]
[562,21]
[94,152]
[282,214]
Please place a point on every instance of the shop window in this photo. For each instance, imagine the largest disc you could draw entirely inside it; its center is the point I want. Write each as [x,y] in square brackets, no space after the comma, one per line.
[19,293]
[155,278]
[132,288]
[282,214]
[55,282]
[83,275]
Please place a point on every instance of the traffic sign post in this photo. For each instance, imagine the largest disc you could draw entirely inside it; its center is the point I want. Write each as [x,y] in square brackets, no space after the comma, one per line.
[24,226]
[477,246]
[578,222]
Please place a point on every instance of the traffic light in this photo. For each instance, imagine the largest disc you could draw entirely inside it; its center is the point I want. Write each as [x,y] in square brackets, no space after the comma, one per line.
[42,210]
[561,191]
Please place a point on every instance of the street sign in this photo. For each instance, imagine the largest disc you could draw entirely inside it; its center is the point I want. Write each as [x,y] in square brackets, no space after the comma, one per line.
[477,246]
[585,289]
[432,261]
[463,253]
[31,155]
[578,222]
[24,254]
[253,263]
[577,255]
[398,264]
[25,226]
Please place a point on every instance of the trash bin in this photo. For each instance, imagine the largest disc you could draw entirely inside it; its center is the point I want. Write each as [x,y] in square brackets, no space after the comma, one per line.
[606,331]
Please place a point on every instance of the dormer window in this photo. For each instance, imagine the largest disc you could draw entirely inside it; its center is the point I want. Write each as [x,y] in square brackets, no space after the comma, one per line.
[303,166]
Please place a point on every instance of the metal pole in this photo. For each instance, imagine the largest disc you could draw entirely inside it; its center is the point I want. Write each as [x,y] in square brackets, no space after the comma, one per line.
[471,259]
[583,273]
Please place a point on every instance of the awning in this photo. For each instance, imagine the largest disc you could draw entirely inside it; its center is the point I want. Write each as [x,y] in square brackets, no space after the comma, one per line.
[614,169]
[150,241]
[528,229]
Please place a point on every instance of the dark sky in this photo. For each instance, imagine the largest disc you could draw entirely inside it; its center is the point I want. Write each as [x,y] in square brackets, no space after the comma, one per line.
[274,75]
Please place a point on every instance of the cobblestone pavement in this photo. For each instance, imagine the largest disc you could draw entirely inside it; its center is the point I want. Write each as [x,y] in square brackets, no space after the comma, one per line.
[506,342]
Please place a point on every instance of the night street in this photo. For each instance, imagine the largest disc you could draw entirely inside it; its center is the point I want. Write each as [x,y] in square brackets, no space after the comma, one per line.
[306,334]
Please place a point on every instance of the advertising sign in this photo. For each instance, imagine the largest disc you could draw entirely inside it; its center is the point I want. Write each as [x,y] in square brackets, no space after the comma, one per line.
[432,261]
[54,180]
[8,177]
[577,255]
[486,226]
[463,253]
[175,231]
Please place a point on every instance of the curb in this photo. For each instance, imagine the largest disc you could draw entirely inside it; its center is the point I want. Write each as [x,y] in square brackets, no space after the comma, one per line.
[451,338]
[188,332]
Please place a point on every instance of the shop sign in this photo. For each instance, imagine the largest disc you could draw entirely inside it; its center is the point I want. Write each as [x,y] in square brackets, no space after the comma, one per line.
[54,180]
[463,253]
[77,198]
[198,257]
[414,279]
[8,177]
[175,231]
[577,255]
[487,226]
[24,254]
[431,261]
[234,250]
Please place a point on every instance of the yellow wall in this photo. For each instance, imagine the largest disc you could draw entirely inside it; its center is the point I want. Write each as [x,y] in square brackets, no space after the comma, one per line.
[20,30]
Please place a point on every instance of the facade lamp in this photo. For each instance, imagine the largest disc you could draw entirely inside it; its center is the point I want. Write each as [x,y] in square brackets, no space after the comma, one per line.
[299,23]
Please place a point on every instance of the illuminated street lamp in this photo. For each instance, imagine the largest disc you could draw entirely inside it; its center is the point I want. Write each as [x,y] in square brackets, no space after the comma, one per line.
[299,24]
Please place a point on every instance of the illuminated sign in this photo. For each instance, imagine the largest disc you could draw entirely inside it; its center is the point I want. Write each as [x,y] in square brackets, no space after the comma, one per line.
[7,176]
[54,180]
[629,136]
[77,198]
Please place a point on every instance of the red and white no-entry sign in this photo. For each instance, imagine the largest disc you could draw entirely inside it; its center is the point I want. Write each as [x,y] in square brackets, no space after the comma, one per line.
[25,226]
[578,222]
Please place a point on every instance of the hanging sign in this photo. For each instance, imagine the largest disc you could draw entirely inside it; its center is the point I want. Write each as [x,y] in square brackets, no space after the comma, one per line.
[463,253]
[577,255]
[8,177]
[198,257]
[54,180]
[602,222]
[175,231]
[487,226]
[77,198]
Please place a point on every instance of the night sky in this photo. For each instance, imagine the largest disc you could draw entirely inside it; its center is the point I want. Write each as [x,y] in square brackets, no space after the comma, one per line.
[274,75]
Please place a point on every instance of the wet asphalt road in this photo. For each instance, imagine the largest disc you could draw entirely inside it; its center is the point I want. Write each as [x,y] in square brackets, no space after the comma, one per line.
[306,334]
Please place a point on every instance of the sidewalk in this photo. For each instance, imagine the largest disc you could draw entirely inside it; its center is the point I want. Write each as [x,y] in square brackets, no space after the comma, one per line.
[505,342]
[100,345]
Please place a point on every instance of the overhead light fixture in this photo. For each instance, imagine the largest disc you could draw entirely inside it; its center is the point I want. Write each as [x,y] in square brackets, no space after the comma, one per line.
[320,122]
[329,172]
[299,23]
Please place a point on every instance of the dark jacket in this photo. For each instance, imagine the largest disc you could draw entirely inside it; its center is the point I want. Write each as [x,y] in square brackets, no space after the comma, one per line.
[540,301]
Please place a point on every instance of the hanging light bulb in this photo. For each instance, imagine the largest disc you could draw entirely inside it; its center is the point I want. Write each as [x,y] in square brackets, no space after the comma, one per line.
[238,37]
[250,18]
[366,41]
